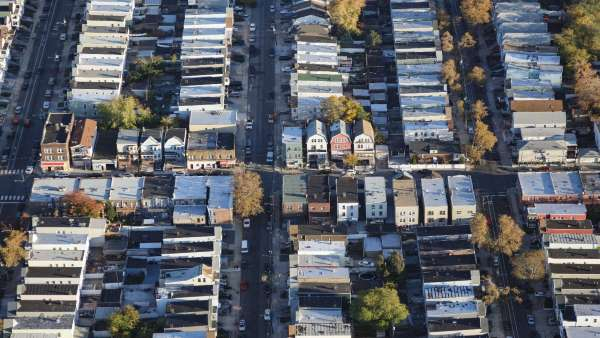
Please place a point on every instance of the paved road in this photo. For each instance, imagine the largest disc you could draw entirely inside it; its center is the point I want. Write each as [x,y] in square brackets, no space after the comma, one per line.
[26,140]
[254,300]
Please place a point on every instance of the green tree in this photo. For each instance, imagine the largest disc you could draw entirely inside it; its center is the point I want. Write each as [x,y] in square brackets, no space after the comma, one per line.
[343,108]
[248,193]
[480,231]
[476,12]
[168,122]
[123,112]
[110,212]
[510,237]
[395,266]
[12,252]
[380,138]
[530,266]
[123,324]
[374,39]
[146,69]
[345,14]
[379,308]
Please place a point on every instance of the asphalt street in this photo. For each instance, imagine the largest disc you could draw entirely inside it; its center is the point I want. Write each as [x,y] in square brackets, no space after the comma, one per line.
[25,143]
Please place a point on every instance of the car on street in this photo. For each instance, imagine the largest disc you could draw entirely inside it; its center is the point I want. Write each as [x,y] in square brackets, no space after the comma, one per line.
[18,109]
[246,222]
[267,314]
[272,8]
[63,37]
[56,58]
[29,170]
[252,27]
[249,124]
[531,320]
[286,69]
[252,39]
[51,81]
[270,157]
[48,93]
[61,174]
[540,294]
[46,105]
[242,325]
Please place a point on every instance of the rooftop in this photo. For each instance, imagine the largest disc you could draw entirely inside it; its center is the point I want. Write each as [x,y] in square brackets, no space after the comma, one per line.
[461,190]
[550,183]
[190,188]
[57,128]
[542,209]
[405,192]
[347,190]
[294,189]
[318,189]
[434,192]
[126,188]
[375,191]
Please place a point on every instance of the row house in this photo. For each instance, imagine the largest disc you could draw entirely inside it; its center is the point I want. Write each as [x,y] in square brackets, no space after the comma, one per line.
[10,21]
[340,143]
[316,145]
[210,150]
[293,199]
[318,196]
[557,211]
[347,200]
[375,199]
[55,142]
[554,226]
[83,142]
[459,207]
[206,38]
[101,55]
[406,202]
[292,147]
[147,150]
[315,76]
[422,92]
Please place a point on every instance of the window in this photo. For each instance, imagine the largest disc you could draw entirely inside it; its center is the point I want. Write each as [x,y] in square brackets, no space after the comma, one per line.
[59,150]
[430,213]
[442,212]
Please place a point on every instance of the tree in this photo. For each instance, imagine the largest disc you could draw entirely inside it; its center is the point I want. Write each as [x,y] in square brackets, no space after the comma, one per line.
[510,237]
[395,266]
[443,19]
[483,141]
[379,308]
[480,231]
[477,75]
[350,160]
[123,112]
[449,72]
[78,204]
[123,324]
[380,138]
[587,90]
[460,104]
[374,39]
[529,266]
[248,193]
[168,122]
[493,293]
[343,108]
[467,41]
[345,14]
[476,12]
[12,252]
[447,42]
[146,69]
[110,212]
[479,110]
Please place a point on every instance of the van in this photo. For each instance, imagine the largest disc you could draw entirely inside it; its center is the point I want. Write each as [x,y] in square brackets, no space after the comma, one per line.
[270,157]
[244,246]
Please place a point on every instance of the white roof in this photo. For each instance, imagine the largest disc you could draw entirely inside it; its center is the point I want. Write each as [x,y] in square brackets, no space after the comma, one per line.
[545,118]
[96,188]
[189,211]
[220,194]
[570,240]
[319,315]
[48,189]
[434,193]
[451,309]
[375,192]
[190,188]
[550,183]
[461,190]
[58,239]
[322,248]
[216,118]
[582,331]
[126,188]
[529,134]
[291,135]
[587,310]
[557,209]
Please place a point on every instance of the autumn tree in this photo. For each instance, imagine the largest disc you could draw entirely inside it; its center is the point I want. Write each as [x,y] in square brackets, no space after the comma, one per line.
[587,90]
[343,108]
[479,110]
[510,236]
[123,324]
[447,42]
[379,308]
[449,72]
[480,231]
[123,112]
[350,160]
[345,14]
[483,141]
[529,266]
[78,204]
[493,292]
[248,193]
[476,12]
[12,252]
[168,122]
[467,41]
[374,39]
[477,75]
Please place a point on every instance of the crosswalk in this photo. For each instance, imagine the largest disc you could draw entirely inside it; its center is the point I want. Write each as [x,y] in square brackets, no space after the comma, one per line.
[5,172]
[12,198]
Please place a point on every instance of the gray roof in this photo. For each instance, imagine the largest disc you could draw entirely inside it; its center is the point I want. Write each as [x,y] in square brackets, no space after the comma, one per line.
[461,190]
[434,193]
[294,189]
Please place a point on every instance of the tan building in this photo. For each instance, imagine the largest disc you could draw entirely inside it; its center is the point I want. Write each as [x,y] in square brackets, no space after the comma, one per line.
[209,150]
[406,204]
[55,142]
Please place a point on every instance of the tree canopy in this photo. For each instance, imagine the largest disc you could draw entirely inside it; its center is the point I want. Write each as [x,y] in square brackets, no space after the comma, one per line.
[248,193]
[345,14]
[529,266]
[480,231]
[510,236]
[447,42]
[467,41]
[79,204]
[587,90]
[127,324]
[450,72]
[374,39]
[124,112]
[493,292]
[343,108]
[476,12]
[379,308]
[350,160]
[12,252]
[477,75]
[146,69]
[483,141]
[479,110]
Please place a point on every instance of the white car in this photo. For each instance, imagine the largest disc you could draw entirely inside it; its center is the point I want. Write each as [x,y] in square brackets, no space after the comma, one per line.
[286,69]
[252,27]
[531,320]
[63,37]
[267,315]
[18,109]
[242,325]
[272,8]
[246,222]
[249,124]
[46,105]
[29,170]
[252,39]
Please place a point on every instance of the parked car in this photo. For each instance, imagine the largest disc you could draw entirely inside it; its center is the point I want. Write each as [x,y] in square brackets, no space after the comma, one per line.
[242,325]
[267,314]
[252,27]
[531,320]
[246,222]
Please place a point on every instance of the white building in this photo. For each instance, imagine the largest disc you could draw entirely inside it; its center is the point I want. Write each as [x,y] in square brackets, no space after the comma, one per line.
[347,200]
[435,204]
[375,199]
[463,205]
[316,144]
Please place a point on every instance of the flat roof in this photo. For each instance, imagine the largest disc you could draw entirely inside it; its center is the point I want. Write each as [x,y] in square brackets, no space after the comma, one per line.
[126,188]
[220,192]
[461,190]
[405,192]
[557,209]
[190,188]
[573,253]
[550,183]
[375,191]
[316,315]
[96,188]
[294,189]
[590,182]
[347,190]
[433,192]
[322,247]
[48,189]
[213,118]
